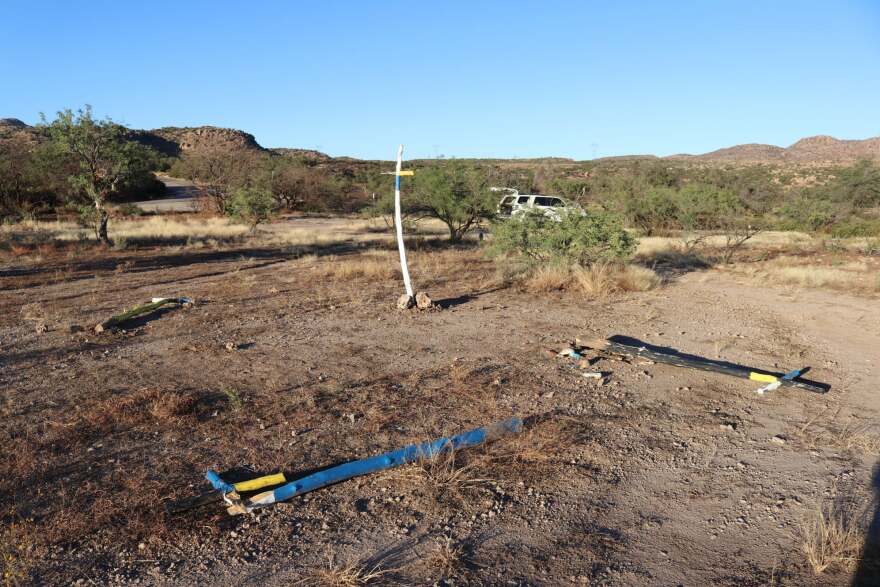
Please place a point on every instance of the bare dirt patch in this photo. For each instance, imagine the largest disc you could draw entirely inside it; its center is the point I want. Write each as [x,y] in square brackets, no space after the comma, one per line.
[657,476]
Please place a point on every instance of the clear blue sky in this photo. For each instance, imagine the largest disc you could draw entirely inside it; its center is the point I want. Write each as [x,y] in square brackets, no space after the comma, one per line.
[490,79]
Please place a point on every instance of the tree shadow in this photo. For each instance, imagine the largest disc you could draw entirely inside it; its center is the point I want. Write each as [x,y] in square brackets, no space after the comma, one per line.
[868,571]
[447,303]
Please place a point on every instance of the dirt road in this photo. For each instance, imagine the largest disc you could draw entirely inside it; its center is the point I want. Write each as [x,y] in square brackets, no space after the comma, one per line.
[181,196]
[660,476]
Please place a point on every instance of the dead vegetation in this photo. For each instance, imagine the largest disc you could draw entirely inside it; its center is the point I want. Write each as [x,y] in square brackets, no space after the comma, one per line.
[832,428]
[345,574]
[595,281]
[17,553]
[832,536]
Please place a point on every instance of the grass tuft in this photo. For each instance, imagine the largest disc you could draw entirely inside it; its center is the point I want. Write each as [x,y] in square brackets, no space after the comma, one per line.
[349,574]
[832,539]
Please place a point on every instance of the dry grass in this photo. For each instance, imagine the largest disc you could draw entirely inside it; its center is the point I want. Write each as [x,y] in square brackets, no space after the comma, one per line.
[595,281]
[831,539]
[650,246]
[827,429]
[446,557]
[446,473]
[370,265]
[851,274]
[349,574]
[149,228]
[813,276]
[16,553]
[549,278]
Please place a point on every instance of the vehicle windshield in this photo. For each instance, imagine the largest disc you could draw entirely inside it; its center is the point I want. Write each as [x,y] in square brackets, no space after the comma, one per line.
[547,201]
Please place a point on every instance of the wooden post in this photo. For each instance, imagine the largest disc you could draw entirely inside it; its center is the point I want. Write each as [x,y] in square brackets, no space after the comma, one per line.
[398,223]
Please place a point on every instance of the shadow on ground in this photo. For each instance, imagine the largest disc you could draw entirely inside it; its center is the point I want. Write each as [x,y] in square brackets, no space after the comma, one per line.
[868,572]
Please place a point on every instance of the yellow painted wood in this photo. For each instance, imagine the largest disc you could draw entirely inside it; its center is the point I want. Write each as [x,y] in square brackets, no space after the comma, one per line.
[260,482]
[762,377]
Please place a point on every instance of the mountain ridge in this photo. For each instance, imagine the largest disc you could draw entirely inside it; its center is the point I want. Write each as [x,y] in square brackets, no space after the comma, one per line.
[173,141]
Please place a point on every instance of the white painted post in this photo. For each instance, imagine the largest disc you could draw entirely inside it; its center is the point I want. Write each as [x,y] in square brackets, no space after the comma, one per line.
[399,225]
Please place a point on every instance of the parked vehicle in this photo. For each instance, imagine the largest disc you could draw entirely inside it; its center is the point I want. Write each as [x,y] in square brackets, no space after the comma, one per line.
[553,207]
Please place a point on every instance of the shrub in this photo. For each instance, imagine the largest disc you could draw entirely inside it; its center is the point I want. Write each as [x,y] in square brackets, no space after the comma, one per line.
[657,209]
[575,239]
[856,227]
[252,205]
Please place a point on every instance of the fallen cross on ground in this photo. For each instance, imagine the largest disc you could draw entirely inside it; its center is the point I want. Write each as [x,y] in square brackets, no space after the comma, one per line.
[629,347]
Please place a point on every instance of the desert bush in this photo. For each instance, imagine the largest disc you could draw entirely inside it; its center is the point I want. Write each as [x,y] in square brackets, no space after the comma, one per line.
[575,239]
[655,210]
[856,227]
[251,205]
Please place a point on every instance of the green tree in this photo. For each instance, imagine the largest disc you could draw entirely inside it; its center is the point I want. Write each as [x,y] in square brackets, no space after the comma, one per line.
[456,194]
[105,160]
[252,205]
[21,191]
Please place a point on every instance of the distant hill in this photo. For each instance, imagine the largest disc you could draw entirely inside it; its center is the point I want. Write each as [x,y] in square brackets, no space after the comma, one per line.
[309,155]
[812,150]
[172,141]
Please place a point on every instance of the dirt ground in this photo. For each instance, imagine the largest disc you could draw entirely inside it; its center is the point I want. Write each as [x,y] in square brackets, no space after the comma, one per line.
[659,476]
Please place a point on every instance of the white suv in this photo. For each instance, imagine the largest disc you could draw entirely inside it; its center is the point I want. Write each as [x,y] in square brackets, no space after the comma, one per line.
[553,207]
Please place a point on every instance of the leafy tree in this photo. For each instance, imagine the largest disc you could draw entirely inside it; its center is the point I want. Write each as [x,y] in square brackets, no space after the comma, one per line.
[104,159]
[252,205]
[456,194]
[21,191]
[596,237]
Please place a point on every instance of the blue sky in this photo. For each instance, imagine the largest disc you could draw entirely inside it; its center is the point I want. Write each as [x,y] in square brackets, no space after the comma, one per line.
[459,79]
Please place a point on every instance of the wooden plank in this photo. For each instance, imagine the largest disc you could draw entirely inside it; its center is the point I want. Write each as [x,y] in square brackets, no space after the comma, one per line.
[678,359]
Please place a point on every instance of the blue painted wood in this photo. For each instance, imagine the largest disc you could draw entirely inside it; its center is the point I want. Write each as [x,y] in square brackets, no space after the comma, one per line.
[388,460]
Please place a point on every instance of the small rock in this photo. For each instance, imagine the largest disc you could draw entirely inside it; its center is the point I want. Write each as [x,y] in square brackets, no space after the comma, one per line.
[778,439]
[41,328]
[405,302]
[230,346]
[730,427]
[423,301]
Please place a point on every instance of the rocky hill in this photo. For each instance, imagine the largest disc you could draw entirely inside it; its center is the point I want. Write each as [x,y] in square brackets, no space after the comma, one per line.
[309,155]
[11,128]
[173,141]
[816,150]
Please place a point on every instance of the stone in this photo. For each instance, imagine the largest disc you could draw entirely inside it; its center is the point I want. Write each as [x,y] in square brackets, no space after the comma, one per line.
[423,301]
[405,302]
